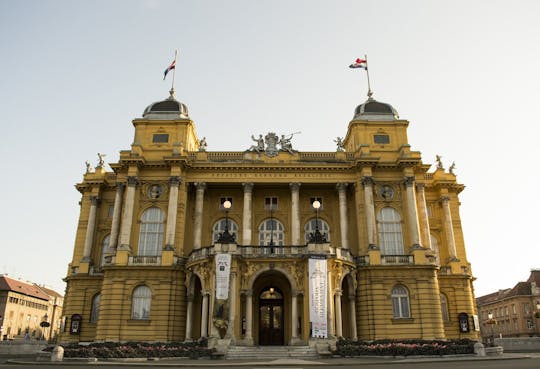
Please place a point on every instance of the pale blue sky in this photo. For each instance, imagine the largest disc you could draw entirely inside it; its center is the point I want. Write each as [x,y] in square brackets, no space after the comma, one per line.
[73,74]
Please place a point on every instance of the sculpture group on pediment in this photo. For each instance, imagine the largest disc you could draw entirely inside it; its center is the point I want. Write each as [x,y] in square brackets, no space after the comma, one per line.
[270,142]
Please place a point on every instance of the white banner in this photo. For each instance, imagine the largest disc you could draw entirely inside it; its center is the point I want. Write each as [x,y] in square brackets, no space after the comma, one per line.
[223,268]
[317,298]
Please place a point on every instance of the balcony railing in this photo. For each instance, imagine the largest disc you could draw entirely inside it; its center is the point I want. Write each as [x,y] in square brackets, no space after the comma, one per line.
[144,260]
[397,259]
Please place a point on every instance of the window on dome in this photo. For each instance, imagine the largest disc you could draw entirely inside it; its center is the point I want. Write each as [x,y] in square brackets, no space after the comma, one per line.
[160,138]
[381,139]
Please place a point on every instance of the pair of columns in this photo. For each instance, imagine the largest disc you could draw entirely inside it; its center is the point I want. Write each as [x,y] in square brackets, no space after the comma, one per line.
[247,214]
[338,295]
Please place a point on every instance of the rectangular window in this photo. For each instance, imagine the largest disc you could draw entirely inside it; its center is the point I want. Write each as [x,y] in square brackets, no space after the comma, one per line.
[270,203]
[527,308]
[530,324]
[160,138]
[381,139]
[514,309]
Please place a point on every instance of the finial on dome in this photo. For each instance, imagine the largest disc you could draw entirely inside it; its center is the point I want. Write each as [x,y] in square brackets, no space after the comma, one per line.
[172,95]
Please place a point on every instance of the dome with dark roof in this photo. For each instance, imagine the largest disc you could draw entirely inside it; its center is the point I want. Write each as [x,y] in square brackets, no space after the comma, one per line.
[169,108]
[375,110]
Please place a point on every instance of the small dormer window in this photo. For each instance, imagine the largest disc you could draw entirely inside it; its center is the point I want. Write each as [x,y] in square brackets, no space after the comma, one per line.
[160,138]
[381,139]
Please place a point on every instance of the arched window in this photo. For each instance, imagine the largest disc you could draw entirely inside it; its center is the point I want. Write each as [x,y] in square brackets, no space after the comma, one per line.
[271,229]
[390,236]
[105,248]
[219,227]
[311,226]
[444,308]
[435,247]
[94,312]
[151,233]
[140,303]
[400,302]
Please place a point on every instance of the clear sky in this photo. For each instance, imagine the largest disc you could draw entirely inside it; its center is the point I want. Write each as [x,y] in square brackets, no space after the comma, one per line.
[73,74]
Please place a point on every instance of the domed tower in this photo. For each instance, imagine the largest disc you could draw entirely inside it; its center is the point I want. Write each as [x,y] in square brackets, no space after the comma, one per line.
[164,129]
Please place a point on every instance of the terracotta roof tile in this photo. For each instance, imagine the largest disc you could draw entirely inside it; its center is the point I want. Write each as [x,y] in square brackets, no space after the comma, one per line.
[15,285]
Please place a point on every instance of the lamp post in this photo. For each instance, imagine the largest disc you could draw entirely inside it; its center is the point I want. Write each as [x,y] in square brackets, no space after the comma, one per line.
[45,324]
[226,237]
[491,321]
[537,316]
[317,236]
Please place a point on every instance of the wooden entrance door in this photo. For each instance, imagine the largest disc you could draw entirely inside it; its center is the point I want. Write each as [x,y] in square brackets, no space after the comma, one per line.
[271,323]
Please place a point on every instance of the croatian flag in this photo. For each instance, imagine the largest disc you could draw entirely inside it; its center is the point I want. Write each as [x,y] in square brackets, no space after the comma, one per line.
[169,68]
[359,63]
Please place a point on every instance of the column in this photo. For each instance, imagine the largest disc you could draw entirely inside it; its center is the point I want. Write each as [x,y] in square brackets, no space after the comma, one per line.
[174,182]
[127,217]
[246,215]
[367,181]
[295,213]
[204,314]
[414,227]
[449,228]
[339,324]
[423,215]
[352,314]
[197,227]
[232,306]
[294,315]
[189,317]
[90,228]
[115,226]
[343,218]
[249,316]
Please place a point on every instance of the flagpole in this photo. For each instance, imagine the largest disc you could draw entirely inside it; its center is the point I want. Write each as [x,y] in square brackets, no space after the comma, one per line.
[369,84]
[174,71]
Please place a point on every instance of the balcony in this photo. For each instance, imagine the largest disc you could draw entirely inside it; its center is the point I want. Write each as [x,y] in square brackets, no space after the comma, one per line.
[144,260]
[397,260]
[256,251]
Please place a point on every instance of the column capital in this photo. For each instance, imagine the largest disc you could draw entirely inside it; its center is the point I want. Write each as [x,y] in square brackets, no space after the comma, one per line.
[200,186]
[295,186]
[94,200]
[248,293]
[120,186]
[445,199]
[342,186]
[175,180]
[132,181]
[338,292]
[248,187]
[409,181]
[367,181]
[420,186]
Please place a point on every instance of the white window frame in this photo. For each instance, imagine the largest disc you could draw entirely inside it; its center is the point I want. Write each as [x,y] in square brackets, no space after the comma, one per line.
[141,302]
[265,231]
[400,302]
[309,228]
[151,232]
[390,233]
[219,227]
[94,311]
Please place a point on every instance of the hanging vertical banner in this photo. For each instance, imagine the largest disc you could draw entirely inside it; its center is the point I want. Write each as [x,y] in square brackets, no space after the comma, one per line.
[223,268]
[317,298]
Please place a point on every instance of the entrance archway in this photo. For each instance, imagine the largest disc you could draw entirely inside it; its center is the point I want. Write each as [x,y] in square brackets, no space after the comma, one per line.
[272,309]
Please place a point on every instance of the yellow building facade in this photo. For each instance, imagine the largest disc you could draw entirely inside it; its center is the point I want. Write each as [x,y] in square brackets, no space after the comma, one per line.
[269,246]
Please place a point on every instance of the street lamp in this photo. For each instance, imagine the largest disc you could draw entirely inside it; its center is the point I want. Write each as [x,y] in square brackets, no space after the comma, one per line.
[45,324]
[317,236]
[491,321]
[226,237]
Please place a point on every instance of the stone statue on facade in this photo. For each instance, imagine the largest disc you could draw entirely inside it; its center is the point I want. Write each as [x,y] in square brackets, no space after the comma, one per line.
[271,140]
[89,168]
[439,162]
[339,143]
[452,168]
[259,147]
[101,161]
[202,144]
[285,143]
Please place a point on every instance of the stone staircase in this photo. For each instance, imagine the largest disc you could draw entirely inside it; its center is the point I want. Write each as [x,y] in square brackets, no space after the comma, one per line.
[271,352]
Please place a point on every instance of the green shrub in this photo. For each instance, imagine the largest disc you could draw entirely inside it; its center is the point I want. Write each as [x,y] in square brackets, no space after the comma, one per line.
[387,347]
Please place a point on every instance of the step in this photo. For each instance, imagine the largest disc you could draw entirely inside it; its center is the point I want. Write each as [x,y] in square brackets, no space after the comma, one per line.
[271,352]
